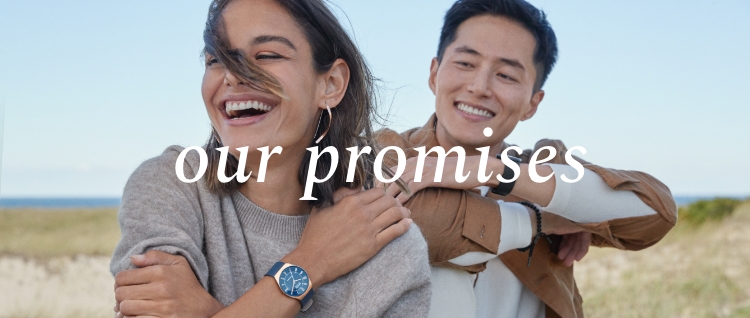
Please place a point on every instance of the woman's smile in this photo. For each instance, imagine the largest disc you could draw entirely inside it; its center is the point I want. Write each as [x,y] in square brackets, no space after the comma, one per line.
[246,109]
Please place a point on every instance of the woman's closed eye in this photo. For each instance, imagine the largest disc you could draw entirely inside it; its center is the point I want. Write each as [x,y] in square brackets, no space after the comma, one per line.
[211,61]
[268,56]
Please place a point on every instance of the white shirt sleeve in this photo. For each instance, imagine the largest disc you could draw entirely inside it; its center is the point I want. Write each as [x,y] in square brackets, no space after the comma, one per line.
[515,232]
[586,201]
[591,199]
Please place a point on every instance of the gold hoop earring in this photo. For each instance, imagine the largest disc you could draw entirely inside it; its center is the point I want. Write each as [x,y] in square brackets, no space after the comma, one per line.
[330,120]
[216,137]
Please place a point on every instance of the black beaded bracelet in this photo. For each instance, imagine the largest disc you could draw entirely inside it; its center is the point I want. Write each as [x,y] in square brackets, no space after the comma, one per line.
[539,232]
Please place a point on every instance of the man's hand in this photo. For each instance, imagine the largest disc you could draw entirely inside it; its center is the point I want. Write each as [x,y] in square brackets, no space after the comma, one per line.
[575,243]
[164,285]
[574,247]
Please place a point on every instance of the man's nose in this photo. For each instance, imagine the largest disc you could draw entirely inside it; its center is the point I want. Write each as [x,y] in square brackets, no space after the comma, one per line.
[480,84]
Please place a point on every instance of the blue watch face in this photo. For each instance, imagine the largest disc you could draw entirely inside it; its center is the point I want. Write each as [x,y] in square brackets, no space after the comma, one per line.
[293,281]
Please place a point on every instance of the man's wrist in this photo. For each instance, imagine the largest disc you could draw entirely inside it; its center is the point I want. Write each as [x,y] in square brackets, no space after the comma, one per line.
[497,167]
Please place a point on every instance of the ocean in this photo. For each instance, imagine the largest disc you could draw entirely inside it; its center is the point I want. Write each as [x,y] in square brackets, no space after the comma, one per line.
[55,203]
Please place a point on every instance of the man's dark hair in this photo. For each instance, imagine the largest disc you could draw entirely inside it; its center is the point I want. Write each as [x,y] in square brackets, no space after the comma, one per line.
[533,19]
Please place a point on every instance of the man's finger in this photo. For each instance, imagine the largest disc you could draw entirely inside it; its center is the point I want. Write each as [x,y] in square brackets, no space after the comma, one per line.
[585,241]
[565,247]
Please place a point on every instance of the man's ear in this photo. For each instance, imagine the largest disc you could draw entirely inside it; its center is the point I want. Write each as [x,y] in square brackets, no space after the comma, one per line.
[335,83]
[534,105]
[433,75]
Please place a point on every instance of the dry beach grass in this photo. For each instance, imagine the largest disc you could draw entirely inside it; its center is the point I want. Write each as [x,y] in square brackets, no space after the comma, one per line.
[55,264]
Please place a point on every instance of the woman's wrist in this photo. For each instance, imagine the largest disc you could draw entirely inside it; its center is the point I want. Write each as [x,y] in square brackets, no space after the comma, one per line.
[310,263]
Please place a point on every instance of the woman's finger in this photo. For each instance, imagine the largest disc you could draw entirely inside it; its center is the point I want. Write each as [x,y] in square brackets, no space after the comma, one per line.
[389,217]
[379,206]
[132,308]
[134,292]
[369,196]
[392,232]
[134,277]
[393,190]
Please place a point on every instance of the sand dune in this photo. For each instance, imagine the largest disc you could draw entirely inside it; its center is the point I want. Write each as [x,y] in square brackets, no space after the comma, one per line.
[79,286]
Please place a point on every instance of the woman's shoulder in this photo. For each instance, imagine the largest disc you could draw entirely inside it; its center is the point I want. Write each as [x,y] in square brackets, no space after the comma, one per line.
[157,177]
[407,252]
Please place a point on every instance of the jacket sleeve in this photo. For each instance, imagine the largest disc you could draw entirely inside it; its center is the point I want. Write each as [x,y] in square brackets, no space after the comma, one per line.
[453,222]
[632,233]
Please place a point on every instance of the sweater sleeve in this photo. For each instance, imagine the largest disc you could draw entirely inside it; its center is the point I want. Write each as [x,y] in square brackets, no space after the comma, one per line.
[401,273]
[159,212]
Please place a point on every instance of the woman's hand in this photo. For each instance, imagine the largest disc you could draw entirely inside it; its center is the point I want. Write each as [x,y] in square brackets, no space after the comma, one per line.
[164,285]
[339,238]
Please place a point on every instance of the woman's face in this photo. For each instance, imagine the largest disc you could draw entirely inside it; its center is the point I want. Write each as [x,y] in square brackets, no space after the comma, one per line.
[246,116]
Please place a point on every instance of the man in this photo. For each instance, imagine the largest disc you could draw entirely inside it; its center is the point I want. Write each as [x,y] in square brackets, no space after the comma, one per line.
[493,59]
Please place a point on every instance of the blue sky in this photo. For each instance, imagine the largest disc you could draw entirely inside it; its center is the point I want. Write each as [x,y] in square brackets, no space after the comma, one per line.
[93,88]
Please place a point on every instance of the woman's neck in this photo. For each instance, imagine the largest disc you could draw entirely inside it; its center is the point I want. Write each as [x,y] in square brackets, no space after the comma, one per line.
[281,190]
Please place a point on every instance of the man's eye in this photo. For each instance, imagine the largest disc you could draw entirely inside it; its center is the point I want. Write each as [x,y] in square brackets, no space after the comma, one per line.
[463,64]
[503,76]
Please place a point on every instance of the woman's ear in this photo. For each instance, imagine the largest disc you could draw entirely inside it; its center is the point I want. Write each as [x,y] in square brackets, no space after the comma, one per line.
[335,82]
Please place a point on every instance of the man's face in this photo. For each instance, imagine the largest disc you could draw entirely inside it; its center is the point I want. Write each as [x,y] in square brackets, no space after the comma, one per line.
[486,79]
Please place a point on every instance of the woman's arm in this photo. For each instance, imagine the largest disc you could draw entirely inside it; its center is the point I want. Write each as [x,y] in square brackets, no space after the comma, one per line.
[160,213]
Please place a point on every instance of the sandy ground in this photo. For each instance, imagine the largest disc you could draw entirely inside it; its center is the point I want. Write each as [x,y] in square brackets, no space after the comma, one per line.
[78,286]
[701,272]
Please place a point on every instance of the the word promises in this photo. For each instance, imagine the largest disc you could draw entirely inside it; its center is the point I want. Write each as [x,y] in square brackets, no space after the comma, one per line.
[482,176]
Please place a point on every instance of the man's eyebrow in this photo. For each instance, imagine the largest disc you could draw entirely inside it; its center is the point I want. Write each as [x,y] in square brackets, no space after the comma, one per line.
[513,63]
[272,38]
[467,50]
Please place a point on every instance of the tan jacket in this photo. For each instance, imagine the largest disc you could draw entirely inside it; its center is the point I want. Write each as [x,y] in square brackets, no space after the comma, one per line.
[455,222]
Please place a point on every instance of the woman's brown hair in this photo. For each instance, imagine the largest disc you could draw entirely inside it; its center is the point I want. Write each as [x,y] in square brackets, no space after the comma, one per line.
[352,119]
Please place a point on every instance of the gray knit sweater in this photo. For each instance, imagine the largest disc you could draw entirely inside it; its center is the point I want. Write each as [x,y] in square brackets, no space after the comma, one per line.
[230,243]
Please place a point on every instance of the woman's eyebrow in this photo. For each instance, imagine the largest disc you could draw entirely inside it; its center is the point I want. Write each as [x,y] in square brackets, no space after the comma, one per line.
[273,38]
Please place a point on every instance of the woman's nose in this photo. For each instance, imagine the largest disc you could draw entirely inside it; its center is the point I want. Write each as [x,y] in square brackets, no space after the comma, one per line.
[230,79]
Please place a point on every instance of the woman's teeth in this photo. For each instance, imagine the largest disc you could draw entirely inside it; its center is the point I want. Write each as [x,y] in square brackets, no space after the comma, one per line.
[234,109]
[474,111]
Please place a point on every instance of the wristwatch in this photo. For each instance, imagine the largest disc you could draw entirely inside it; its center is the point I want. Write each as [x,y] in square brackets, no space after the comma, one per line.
[293,282]
[505,188]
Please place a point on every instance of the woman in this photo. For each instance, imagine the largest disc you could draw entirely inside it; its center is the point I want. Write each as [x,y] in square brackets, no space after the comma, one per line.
[278,73]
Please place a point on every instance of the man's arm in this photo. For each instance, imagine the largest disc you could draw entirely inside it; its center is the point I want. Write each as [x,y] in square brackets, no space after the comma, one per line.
[456,222]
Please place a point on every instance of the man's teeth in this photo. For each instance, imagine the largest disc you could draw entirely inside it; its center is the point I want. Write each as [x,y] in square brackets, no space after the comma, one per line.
[474,111]
[237,106]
